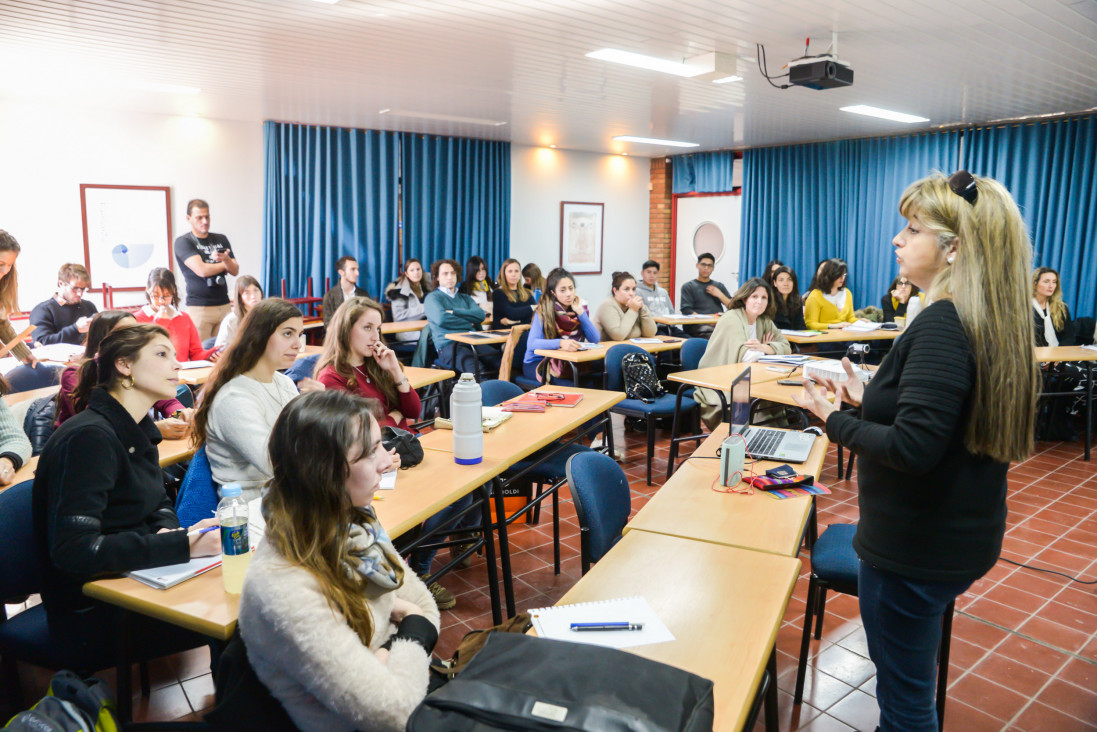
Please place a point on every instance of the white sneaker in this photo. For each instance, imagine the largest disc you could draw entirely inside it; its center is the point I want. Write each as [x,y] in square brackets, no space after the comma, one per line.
[618,453]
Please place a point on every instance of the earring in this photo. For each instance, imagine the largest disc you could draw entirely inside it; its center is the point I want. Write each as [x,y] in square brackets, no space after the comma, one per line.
[126,386]
[951,258]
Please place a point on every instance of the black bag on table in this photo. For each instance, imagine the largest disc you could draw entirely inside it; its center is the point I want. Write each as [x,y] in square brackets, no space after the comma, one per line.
[519,682]
[406,444]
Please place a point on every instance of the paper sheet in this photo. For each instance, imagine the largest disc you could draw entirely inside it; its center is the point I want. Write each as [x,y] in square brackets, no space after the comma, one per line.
[555,622]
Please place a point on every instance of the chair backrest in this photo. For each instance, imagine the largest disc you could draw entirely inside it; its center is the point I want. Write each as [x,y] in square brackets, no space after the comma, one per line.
[209,343]
[302,368]
[198,496]
[513,352]
[184,396]
[22,575]
[24,378]
[615,374]
[497,391]
[692,351]
[603,502]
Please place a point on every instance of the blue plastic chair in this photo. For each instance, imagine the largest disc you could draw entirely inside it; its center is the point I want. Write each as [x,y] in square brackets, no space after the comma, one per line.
[184,396]
[603,502]
[303,367]
[668,405]
[25,378]
[543,468]
[198,495]
[834,565]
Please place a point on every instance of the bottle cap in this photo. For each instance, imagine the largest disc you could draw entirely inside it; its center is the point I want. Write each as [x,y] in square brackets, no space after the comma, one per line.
[231,489]
[468,377]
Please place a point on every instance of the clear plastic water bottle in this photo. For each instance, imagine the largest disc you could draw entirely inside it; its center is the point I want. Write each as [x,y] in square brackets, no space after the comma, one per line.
[232,514]
[465,405]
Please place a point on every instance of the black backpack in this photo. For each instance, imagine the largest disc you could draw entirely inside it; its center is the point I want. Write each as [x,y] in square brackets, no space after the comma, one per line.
[38,422]
[71,705]
[640,380]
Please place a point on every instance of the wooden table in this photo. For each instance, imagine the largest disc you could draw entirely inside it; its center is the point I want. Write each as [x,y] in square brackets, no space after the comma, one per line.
[1060,354]
[197,377]
[840,335]
[723,605]
[688,507]
[403,326]
[719,378]
[171,452]
[481,338]
[686,320]
[574,358]
[419,377]
[31,394]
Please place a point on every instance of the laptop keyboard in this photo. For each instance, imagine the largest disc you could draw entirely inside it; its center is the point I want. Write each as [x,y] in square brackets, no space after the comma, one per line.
[763,442]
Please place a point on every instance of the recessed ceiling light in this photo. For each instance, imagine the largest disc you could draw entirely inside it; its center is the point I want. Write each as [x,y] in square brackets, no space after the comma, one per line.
[651,63]
[727,79]
[553,147]
[884,114]
[655,141]
[443,117]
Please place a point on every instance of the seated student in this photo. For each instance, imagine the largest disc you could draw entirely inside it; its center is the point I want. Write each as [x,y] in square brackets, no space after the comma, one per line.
[512,302]
[704,295]
[336,626]
[786,295]
[15,448]
[345,288]
[894,304]
[477,284]
[99,505]
[64,317]
[355,359]
[450,311]
[744,333]
[72,399]
[534,281]
[771,269]
[9,288]
[245,393]
[561,322]
[163,310]
[406,297]
[654,296]
[624,315]
[831,304]
[248,293]
[1051,315]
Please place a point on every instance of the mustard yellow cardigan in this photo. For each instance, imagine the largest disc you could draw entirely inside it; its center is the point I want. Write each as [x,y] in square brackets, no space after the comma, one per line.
[819,312]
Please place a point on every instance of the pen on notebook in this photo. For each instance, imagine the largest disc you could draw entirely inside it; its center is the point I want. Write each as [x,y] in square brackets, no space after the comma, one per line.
[622,625]
[199,532]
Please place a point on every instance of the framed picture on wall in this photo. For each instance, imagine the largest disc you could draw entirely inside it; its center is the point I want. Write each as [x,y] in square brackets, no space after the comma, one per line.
[581,227]
[127,232]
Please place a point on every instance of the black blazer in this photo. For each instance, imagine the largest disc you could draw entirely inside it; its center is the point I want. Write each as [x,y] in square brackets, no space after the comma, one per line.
[502,307]
[891,313]
[1064,334]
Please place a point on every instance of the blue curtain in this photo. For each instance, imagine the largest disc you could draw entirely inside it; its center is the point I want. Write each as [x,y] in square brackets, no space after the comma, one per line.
[1051,170]
[329,192]
[708,172]
[456,199]
[805,203]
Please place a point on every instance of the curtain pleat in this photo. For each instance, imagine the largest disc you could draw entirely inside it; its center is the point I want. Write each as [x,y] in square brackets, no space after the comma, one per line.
[709,172]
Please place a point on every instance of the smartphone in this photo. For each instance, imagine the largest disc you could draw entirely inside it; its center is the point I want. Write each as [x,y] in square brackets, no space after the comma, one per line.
[790,382]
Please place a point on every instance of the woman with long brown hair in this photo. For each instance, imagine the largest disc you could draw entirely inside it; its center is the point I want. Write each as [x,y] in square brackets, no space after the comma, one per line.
[952,404]
[336,626]
[9,298]
[512,302]
[248,294]
[560,322]
[246,393]
[406,297]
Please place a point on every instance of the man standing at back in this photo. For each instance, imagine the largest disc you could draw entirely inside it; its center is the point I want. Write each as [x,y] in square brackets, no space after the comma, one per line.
[345,288]
[204,259]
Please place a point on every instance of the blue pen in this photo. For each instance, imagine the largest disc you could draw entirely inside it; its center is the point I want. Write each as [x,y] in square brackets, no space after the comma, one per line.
[199,532]
[615,625]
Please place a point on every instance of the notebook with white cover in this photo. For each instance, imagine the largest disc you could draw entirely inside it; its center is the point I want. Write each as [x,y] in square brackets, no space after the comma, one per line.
[861,326]
[163,578]
[555,622]
[186,365]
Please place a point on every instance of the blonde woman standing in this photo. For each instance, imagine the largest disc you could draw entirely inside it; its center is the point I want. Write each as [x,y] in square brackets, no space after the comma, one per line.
[933,445]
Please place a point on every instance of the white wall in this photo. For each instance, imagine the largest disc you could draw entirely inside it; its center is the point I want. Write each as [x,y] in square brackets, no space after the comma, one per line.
[542,177]
[48,151]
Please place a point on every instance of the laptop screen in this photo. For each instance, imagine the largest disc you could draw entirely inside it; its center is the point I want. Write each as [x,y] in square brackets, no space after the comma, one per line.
[740,402]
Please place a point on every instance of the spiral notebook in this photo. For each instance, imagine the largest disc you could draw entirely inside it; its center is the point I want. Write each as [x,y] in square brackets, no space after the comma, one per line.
[555,622]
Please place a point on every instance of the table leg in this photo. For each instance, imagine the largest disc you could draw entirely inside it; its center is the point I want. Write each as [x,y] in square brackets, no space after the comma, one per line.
[124,670]
[489,554]
[504,552]
[574,373]
[1089,406]
[771,692]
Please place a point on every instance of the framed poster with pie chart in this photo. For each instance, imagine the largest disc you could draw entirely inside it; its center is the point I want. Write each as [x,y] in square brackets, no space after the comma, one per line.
[127,232]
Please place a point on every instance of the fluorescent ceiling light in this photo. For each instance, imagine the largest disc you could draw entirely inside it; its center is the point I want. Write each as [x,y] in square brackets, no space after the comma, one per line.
[651,63]
[443,117]
[654,141]
[162,88]
[884,114]
[727,79]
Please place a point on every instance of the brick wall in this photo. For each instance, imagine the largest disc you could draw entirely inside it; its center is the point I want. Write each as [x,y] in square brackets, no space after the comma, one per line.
[659,218]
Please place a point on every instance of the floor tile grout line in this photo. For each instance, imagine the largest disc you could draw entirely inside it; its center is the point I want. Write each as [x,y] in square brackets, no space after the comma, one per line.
[1029,638]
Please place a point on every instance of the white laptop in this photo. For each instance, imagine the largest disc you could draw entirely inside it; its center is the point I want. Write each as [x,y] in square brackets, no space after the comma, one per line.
[763,442]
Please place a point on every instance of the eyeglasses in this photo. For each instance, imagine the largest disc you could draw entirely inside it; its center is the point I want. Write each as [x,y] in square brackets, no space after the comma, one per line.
[78,290]
[962,184]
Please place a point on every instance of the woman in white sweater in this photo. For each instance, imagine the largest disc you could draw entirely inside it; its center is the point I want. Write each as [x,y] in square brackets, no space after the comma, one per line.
[336,625]
[245,394]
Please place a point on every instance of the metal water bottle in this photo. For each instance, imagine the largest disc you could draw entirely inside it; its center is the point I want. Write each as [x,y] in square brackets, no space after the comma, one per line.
[465,405]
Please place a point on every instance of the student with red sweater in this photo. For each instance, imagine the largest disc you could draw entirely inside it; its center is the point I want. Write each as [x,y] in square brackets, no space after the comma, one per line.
[163,310]
[355,359]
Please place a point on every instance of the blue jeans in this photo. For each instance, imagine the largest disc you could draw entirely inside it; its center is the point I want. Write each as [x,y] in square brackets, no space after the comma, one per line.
[902,619]
[421,558]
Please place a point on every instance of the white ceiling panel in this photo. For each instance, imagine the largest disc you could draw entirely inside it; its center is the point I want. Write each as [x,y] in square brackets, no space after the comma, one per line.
[523,62]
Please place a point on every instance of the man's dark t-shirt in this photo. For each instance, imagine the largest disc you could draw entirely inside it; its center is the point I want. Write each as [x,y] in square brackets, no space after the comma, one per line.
[202,291]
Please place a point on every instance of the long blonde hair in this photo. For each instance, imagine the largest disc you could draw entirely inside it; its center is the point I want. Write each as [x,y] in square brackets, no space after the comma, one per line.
[9,284]
[520,293]
[307,509]
[1055,304]
[987,282]
[337,353]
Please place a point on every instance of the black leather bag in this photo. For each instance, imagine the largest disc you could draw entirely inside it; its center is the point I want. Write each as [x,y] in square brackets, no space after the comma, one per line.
[640,379]
[406,445]
[518,682]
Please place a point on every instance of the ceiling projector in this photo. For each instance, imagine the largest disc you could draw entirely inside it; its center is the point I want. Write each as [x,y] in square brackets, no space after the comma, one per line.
[819,72]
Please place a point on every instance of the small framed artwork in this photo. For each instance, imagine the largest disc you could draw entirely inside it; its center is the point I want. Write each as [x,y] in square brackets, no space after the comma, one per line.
[581,227]
[127,232]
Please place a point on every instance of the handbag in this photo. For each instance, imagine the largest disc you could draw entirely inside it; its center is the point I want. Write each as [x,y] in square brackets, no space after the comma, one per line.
[640,380]
[519,682]
[406,445]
